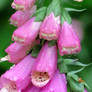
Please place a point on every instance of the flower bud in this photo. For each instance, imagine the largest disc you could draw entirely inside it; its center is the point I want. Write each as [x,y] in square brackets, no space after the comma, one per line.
[20,17]
[18,77]
[27,33]
[23,5]
[85,90]
[68,42]
[45,66]
[17,51]
[50,28]
[57,84]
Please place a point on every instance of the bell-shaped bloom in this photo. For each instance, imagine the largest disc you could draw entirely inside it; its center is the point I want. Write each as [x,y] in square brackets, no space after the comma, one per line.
[31,88]
[50,27]
[45,66]
[18,77]
[17,51]
[68,42]
[23,4]
[20,17]
[57,84]
[27,33]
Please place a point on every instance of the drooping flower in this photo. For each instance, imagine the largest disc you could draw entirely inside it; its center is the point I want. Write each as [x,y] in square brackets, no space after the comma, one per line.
[17,51]
[20,17]
[23,4]
[68,42]
[45,66]
[27,33]
[18,77]
[57,84]
[50,27]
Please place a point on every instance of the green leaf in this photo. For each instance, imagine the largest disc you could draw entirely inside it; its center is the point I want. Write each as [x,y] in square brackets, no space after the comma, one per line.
[65,16]
[40,14]
[54,7]
[35,50]
[75,10]
[52,43]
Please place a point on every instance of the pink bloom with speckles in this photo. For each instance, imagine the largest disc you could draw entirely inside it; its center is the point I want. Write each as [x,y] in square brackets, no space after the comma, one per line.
[20,17]
[50,27]
[57,84]
[23,4]
[45,66]
[27,33]
[18,77]
[68,42]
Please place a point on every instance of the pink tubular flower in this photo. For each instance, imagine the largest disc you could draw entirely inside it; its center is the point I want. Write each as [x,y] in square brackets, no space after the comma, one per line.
[57,84]
[20,17]
[23,4]
[18,77]
[50,28]
[45,66]
[68,42]
[27,33]
[17,51]
[31,89]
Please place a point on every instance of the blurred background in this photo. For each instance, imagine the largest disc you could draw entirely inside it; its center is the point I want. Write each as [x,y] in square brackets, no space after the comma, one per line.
[82,22]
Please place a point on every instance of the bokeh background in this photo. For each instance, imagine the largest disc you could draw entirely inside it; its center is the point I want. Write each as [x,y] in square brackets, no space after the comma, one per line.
[85,28]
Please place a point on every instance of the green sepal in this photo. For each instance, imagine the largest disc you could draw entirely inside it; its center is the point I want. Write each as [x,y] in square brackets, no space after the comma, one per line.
[42,41]
[35,50]
[40,14]
[54,7]
[65,16]
[52,43]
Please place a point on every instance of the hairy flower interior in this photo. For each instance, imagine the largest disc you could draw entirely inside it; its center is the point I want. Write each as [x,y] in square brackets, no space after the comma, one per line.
[40,79]
[13,22]
[49,35]
[18,39]
[5,58]
[17,7]
[9,88]
[69,49]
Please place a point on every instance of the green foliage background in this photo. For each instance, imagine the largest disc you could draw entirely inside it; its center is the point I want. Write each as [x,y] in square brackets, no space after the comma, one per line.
[85,56]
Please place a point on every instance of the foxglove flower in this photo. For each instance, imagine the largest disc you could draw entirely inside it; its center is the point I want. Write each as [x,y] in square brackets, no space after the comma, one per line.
[50,27]
[27,33]
[31,89]
[68,42]
[57,84]
[20,17]
[45,66]
[17,51]
[18,77]
[23,4]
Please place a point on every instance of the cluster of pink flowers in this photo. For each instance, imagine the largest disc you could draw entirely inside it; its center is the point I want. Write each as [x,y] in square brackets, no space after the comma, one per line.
[30,74]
